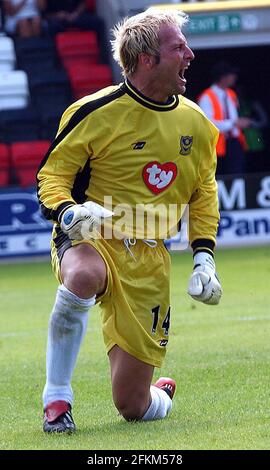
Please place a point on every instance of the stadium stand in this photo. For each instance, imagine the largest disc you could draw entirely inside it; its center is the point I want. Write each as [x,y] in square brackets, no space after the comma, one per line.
[7,54]
[25,158]
[90,5]
[86,79]
[75,46]
[50,72]
[14,90]
[19,125]
[40,50]
[50,89]
[49,121]
[4,165]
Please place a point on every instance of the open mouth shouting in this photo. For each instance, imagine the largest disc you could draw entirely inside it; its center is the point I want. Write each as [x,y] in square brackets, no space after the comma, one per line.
[181,75]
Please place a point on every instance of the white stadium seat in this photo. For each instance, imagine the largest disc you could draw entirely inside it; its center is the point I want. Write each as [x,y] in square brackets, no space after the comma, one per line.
[14,90]
[7,54]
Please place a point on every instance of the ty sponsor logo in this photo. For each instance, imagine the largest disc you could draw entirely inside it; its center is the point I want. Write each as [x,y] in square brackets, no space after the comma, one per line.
[159,177]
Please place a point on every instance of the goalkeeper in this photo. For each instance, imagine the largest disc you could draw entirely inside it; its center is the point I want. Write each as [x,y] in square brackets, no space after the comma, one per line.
[140,142]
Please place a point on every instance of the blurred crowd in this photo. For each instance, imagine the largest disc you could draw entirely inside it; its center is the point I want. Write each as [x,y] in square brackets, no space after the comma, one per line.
[241,118]
[27,18]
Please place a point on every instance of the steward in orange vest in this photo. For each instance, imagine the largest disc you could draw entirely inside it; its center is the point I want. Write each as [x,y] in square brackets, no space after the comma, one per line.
[218,115]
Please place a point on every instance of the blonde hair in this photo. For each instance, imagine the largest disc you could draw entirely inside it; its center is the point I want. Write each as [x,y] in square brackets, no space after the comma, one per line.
[140,33]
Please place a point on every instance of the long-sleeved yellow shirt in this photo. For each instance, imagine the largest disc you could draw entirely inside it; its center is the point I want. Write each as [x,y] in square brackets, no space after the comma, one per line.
[119,146]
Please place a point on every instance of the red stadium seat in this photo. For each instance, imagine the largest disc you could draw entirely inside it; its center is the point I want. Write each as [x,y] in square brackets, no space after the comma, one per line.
[87,79]
[4,165]
[25,158]
[90,5]
[73,46]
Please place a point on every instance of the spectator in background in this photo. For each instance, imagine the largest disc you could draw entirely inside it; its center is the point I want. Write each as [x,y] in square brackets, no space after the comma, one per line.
[220,104]
[255,135]
[66,14]
[22,17]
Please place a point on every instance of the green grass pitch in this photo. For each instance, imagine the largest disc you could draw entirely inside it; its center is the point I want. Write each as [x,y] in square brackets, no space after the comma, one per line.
[219,357]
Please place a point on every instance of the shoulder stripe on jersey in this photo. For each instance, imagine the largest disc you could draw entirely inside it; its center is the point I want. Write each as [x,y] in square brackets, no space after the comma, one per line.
[78,116]
[75,119]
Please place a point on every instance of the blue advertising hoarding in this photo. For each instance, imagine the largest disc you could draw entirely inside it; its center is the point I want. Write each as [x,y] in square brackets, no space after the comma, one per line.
[244,207]
[23,230]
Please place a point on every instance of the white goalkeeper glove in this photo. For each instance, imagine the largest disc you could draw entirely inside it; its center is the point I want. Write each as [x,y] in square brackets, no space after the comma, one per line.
[204,284]
[82,220]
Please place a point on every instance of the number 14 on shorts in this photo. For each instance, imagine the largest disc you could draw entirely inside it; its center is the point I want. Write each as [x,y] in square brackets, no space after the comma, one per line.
[166,322]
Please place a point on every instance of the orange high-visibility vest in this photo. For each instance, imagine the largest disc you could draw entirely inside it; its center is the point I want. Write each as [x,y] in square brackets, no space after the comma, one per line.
[218,116]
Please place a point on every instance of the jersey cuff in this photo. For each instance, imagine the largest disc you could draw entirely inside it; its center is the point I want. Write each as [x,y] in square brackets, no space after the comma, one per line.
[203,245]
[61,209]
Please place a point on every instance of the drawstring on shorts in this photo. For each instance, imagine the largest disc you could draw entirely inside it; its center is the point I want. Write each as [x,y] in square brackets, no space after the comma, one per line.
[132,242]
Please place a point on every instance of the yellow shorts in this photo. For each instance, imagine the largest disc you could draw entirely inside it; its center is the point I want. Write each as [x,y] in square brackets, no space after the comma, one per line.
[135,307]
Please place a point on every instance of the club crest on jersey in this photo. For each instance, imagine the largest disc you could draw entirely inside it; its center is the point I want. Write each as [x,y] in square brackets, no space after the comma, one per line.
[185,144]
[159,176]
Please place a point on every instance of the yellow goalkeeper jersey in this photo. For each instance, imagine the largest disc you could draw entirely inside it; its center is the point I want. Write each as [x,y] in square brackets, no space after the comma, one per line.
[119,147]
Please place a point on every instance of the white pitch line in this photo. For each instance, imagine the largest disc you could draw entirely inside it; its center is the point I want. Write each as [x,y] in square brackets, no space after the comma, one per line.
[32,332]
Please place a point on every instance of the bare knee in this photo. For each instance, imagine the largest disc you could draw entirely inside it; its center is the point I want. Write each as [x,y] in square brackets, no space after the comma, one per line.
[82,282]
[83,271]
